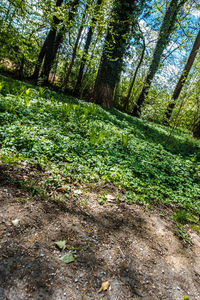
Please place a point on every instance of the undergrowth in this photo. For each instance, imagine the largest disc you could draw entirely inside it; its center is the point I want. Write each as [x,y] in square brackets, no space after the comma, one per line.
[89,143]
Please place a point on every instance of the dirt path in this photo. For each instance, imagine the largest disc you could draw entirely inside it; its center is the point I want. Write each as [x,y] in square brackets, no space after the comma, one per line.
[137,251]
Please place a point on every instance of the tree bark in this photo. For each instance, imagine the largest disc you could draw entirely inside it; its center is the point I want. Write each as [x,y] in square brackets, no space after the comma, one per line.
[48,44]
[114,49]
[167,27]
[183,77]
[51,45]
[196,130]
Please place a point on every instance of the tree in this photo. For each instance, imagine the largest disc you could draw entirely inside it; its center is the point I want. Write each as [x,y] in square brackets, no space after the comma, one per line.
[47,46]
[75,49]
[86,49]
[132,82]
[52,50]
[196,130]
[52,43]
[183,77]
[124,14]
[167,27]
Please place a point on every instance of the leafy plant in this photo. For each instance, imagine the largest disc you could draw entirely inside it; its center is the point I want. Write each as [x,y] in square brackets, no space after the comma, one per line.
[182,216]
[183,235]
[88,143]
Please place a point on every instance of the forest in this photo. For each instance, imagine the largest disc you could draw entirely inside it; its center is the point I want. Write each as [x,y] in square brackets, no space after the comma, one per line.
[100,149]
[140,67]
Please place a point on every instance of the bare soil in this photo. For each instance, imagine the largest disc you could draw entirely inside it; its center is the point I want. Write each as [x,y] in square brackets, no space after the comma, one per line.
[135,249]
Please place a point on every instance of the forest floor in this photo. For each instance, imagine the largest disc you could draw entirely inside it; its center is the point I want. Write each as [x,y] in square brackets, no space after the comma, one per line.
[135,251]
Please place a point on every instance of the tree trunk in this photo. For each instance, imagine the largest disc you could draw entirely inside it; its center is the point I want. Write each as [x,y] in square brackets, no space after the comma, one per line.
[74,50]
[114,49]
[52,50]
[167,27]
[127,99]
[183,77]
[196,131]
[21,68]
[48,44]
[86,49]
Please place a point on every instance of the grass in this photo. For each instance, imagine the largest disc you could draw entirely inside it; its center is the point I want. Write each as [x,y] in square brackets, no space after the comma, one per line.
[85,142]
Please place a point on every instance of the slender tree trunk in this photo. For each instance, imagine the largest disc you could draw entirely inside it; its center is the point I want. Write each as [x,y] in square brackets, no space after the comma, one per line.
[5,20]
[88,67]
[74,51]
[86,49]
[167,27]
[183,77]
[21,68]
[112,57]
[127,99]
[73,57]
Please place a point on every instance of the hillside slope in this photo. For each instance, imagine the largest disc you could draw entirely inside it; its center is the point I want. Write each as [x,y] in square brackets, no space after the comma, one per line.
[122,193]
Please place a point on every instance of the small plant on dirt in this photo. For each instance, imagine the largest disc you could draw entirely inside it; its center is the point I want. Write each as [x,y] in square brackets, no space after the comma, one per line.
[58,199]
[185,298]
[183,235]
[129,198]
[53,180]
[22,200]
[183,217]
[196,227]
[84,202]
[102,199]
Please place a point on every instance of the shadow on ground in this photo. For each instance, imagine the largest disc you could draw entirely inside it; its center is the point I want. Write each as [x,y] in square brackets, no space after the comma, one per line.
[125,245]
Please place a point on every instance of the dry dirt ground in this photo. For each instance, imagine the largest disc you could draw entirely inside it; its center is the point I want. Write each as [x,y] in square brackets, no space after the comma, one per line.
[136,250]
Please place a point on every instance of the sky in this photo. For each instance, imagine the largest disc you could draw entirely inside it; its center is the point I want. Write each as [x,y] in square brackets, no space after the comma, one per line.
[168,75]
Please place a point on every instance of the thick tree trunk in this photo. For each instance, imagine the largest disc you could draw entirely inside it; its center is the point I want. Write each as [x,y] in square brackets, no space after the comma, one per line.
[45,52]
[114,48]
[167,27]
[50,56]
[48,44]
[52,50]
[39,62]
[86,49]
[183,77]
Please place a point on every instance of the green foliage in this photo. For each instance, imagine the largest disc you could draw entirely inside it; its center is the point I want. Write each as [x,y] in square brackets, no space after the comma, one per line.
[183,235]
[182,216]
[88,143]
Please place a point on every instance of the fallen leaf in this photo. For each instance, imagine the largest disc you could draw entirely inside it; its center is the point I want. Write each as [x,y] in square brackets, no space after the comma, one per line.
[61,244]
[105,285]
[110,197]
[68,258]
[15,222]
[62,189]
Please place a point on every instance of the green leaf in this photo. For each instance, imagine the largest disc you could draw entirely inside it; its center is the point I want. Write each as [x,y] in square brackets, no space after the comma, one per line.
[61,244]
[68,258]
